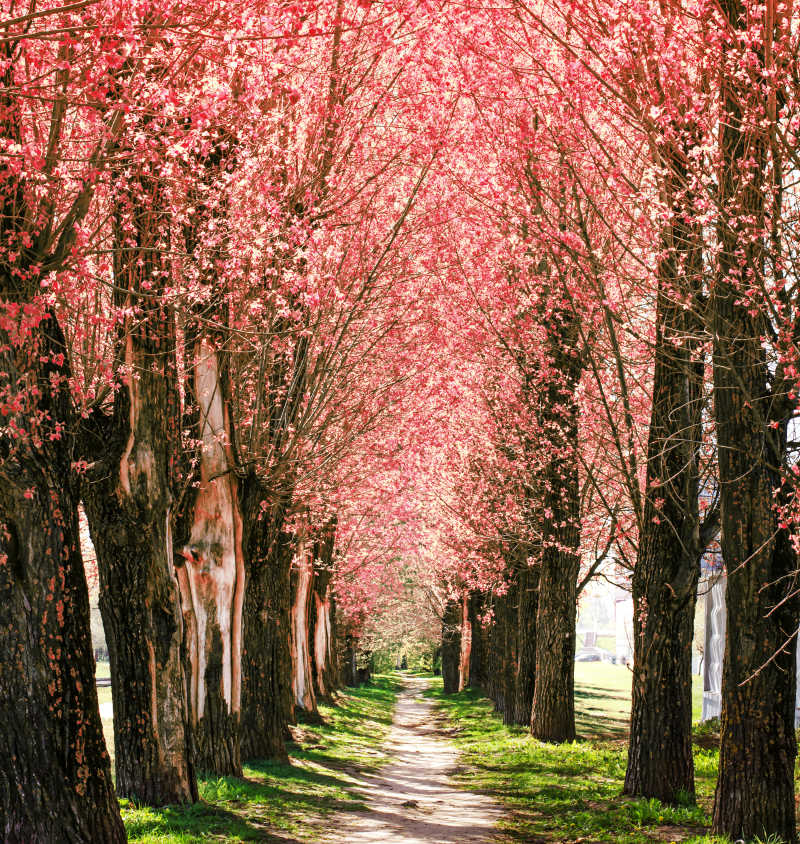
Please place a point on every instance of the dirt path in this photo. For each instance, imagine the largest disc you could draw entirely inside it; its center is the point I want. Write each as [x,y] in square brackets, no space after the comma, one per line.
[411,800]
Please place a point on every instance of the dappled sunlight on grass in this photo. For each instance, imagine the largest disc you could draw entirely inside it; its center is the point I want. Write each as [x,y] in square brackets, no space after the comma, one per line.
[572,792]
[284,802]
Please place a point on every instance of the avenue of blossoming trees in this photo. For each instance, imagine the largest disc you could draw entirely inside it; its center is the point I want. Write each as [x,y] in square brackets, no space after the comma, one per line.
[307,302]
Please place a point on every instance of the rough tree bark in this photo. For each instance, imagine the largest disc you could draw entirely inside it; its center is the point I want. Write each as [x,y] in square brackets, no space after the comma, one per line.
[211,569]
[128,499]
[477,668]
[667,569]
[553,715]
[525,679]
[495,653]
[55,774]
[509,659]
[451,646]
[755,788]
[267,693]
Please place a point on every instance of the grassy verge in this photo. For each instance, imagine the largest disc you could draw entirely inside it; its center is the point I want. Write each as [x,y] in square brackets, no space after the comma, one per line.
[283,802]
[572,792]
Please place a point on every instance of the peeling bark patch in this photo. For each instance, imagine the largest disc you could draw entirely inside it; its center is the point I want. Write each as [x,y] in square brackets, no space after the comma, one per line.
[301,658]
[322,638]
[213,579]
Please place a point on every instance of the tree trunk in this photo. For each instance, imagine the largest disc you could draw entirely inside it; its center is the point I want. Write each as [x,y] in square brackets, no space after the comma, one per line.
[495,658]
[525,679]
[755,787]
[509,661]
[667,570]
[451,646]
[267,707]
[144,631]
[465,653]
[349,664]
[660,761]
[553,712]
[55,774]
[321,628]
[553,715]
[128,501]
[323,637]
[211,574]
[302,588]
[477,658]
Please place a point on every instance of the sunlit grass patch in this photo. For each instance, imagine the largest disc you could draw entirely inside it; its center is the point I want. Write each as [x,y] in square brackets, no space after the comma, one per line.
[572,792]
[284,802]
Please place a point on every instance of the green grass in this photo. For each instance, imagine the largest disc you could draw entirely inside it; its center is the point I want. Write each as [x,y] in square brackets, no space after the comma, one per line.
[284,802]
[603,699]
[572,792]
[103,672]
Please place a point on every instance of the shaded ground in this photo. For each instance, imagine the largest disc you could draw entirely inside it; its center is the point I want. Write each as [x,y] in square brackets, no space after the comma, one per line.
[413,800]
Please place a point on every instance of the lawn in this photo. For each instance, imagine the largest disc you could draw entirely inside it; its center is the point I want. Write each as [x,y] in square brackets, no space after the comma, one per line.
[572,792]
[284,802]
[603,699]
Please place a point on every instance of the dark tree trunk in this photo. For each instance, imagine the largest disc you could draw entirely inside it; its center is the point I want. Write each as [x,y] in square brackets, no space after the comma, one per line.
[495,659]
[553,712]
[553,715]
[55,775]
[525,679]
[349,660]
[477,659]
[128,500]
[266,660]
[660,761]
[144,631]
[451,646]
[509,665]
[334,674]
[755,788]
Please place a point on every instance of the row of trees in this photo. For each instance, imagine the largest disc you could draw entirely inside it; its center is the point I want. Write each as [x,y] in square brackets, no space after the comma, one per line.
[481,297]
[195,337]
[638,381]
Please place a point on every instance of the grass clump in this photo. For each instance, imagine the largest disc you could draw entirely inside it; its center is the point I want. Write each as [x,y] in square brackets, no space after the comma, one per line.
[283,802]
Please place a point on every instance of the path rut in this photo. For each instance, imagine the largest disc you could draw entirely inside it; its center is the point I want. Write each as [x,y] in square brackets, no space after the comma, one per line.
[412,800]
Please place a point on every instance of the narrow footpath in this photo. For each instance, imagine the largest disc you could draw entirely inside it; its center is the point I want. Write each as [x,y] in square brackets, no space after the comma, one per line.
[412,799]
